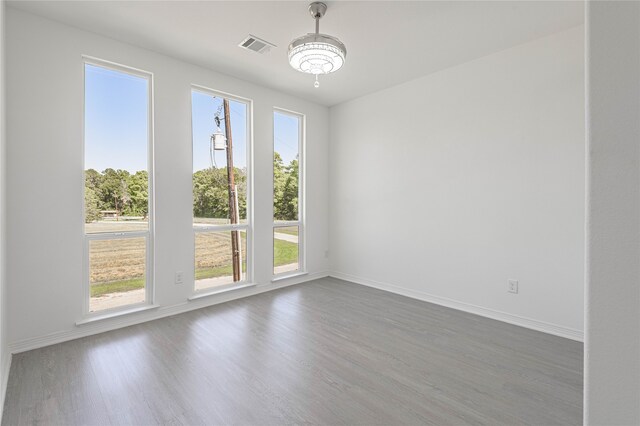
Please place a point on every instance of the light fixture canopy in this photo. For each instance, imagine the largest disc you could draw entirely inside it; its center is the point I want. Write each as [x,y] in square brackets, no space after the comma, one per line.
[316,53]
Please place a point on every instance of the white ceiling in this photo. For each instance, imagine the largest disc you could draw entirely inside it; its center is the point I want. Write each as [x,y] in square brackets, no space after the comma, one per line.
[388,42]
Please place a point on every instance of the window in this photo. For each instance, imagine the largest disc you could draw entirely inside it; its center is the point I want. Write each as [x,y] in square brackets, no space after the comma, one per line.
[118,212]
[288,194]
[221,202]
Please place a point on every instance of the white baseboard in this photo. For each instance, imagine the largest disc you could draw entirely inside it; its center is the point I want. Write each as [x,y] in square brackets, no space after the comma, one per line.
[165,311]
[533,324]
[161,312]
[5,367]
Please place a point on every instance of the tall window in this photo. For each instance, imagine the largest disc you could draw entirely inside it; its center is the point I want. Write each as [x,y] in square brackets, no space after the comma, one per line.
[221,129]
[288,224]
[117,192]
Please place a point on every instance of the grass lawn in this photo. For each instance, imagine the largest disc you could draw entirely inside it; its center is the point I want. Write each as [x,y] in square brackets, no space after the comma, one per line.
[101,289]
[219,271]
[284,251]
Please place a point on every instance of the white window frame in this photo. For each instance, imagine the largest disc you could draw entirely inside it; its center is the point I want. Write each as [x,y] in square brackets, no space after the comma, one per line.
[300,223]
[148,235]
[248,226]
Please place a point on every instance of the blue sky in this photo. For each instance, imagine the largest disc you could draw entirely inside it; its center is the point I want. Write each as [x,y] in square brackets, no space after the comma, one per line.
[203,108]
[116,130]
[116,122]
[285,131]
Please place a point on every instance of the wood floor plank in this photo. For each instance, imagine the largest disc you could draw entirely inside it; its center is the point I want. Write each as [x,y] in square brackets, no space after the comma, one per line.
[324,352]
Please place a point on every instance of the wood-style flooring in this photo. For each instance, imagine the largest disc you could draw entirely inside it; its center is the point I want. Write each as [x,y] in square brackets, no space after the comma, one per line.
[325,352]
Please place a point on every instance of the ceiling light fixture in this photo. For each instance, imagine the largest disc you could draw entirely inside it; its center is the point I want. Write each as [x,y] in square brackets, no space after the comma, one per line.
[317,53]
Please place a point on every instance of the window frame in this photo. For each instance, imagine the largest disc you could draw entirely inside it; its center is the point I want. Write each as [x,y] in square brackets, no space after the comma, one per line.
[248,226]
[301,222]
[150,232]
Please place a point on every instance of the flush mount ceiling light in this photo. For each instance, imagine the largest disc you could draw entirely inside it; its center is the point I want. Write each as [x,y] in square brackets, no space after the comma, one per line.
[317,53]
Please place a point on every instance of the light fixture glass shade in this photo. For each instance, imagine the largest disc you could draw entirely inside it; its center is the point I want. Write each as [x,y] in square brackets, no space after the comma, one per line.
[317,54]
[219,140]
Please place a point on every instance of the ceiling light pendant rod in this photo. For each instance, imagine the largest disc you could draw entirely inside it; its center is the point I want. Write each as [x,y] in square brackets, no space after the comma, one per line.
[317,11]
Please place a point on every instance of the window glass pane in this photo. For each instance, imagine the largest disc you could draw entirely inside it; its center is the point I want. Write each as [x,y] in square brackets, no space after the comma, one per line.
[117,270]
[116,151]
[214,263]
[285,249]
[215,201]
[286,141]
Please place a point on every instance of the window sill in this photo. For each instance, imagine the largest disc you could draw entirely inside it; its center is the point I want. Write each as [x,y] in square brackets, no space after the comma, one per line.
[287,276]
[220,291]
[101,317]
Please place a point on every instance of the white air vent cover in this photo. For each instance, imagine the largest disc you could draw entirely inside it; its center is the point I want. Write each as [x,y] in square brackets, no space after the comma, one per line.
[256,44]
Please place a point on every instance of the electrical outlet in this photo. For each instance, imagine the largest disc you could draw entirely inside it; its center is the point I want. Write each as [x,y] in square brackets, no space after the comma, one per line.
[179,279]
[513,286]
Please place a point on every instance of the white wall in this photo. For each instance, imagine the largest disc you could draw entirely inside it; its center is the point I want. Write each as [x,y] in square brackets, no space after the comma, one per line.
[5,357]
[44,151]
[612,344]
[445,187]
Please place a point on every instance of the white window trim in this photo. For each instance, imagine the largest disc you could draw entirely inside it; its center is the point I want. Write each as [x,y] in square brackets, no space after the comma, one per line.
[149,233]
[248,226]
[300,223]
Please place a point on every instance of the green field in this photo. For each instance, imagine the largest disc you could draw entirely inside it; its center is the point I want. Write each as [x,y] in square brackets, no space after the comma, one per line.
[284,252]
[101,289]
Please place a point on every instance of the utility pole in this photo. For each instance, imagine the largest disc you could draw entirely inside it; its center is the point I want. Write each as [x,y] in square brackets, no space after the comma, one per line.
[233,213]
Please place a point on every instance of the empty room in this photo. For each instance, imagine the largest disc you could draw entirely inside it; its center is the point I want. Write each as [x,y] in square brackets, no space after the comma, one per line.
[328,213]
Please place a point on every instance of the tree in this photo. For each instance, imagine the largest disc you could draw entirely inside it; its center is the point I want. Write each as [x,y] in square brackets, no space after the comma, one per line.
[279,179]
[128,194]
[92,179]
[289,202]
[114,190]
[91,209]
[138,191]
[285,189]
[211,196]
[241,184]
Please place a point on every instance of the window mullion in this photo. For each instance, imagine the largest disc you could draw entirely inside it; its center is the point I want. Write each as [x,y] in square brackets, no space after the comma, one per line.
[287,223]
[220,228]
[117,235]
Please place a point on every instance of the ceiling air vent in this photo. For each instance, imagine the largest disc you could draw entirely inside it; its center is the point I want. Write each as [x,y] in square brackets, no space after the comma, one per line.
[256,44]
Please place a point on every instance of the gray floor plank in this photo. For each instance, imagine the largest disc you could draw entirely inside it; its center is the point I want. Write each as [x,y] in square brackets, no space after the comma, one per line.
[325,352]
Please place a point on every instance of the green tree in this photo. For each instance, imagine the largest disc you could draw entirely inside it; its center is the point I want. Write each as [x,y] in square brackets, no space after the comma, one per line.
[210,197]
[241,184]
[138,190]
[92,179]
[285,189]
[114,192]
[91,209]
[289,202]
[211,192]
[279,179]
